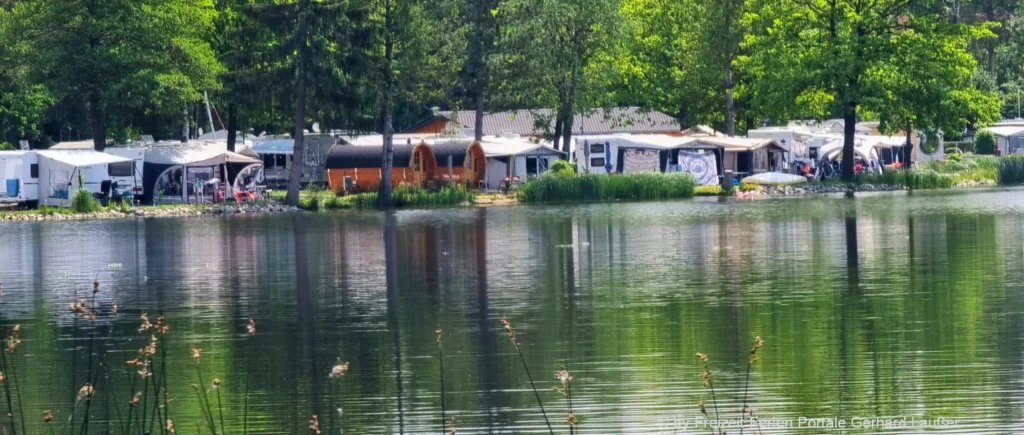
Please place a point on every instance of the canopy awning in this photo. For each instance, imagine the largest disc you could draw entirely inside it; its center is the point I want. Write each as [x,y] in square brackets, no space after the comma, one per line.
[274,146]
[194,156]
[82,158]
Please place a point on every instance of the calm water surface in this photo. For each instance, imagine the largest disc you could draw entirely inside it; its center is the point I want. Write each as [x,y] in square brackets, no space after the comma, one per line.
[886,306]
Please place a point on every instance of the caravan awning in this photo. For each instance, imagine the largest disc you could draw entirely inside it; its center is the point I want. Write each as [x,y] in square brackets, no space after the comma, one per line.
[194,156]
[82,158]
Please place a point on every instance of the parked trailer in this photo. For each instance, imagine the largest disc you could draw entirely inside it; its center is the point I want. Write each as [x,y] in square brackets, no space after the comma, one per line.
[19,175]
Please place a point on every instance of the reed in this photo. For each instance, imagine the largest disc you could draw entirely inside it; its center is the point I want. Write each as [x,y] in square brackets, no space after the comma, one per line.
[554,188]
[515,340]
[337,372]
[758,344]
[709,383]
[251,330]
[83,201]
[1011,170]
[565,388]
[200,389]
[440,363]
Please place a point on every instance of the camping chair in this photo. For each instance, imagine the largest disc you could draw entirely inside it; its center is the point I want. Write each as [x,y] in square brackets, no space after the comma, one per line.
[104,195]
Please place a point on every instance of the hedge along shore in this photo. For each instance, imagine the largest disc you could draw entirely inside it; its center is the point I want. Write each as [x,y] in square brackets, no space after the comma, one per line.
[147,212]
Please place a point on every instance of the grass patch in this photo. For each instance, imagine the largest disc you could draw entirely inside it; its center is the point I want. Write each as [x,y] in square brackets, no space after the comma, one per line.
[402,196]
[707,191]
[550,188]
[84,202]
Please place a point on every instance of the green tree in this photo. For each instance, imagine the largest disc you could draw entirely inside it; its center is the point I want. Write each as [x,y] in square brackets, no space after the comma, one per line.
[22,103]
[480,17]
[119,56]
[416,53]
[558,53]
[308,46]
[927,82]
[823,57]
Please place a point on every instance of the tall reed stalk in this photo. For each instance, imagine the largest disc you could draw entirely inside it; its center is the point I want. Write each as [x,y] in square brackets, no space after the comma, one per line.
[706,375]
[758,344]
[512,336]
[565,387]
[440,363]
[251,330]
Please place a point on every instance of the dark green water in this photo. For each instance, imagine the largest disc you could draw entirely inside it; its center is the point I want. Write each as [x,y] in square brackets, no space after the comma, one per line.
[886,306]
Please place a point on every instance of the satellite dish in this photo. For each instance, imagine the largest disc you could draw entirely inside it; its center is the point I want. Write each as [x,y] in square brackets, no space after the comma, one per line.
[316,127]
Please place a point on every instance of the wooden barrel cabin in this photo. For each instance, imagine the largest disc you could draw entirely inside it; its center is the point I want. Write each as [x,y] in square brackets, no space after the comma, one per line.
[460,162]
[357,168]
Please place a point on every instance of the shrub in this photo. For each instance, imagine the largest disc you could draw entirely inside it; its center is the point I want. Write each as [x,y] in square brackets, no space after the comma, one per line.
[597,188]
[1011,170]
[985,142]
[83,201]
[955,158]
[563,167]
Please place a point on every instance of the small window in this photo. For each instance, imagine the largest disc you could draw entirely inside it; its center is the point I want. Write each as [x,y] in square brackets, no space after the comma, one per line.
[33,170]
[416,162]
[597,148]
[123,169]
[268,161]
[280,161]
[597,162]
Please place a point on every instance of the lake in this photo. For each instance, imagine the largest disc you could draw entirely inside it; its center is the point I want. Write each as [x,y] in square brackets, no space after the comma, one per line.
[889,306]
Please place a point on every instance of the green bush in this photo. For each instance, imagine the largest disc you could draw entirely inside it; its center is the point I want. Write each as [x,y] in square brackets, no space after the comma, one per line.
[955,158]
[597,188]
[1011,170]
[83,201]
[985,142]
[563,167]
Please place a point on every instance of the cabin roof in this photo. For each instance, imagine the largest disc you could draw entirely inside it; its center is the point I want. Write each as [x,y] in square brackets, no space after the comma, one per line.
[361,156]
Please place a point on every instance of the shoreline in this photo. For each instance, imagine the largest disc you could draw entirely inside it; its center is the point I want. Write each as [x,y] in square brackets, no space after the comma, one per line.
[146,212]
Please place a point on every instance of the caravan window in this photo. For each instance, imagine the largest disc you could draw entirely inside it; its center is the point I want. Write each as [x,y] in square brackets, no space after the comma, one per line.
[597,148]
[597,162]
[268,161]
[33,170]
[123,169]
[281,162]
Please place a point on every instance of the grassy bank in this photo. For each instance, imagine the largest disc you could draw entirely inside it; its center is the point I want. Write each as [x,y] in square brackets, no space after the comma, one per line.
[1011,170]
[938,175]
[402,197]
[600,188]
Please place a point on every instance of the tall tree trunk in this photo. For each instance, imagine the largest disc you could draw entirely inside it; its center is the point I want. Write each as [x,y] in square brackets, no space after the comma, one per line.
[990,15]
[387,163]
[569,108]
[730,111]
[232,126]
[558,127]
[476,53]
[298,151]
[908,149]
[849,137]
[185,121]
[99,129]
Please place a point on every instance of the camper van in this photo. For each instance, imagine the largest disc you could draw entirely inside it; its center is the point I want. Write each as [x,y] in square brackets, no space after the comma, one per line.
[19,175]
[61,173]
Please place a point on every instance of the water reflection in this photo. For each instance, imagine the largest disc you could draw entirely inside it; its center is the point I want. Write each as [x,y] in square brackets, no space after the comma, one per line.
[882,306]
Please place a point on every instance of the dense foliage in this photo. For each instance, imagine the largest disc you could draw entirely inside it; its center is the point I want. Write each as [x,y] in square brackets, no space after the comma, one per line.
[985,142]
[1011,170]
[79,69]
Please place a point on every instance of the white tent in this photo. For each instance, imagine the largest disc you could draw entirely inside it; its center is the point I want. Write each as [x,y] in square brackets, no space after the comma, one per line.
[197,160]
[63,172]
[833,149]
[516,157]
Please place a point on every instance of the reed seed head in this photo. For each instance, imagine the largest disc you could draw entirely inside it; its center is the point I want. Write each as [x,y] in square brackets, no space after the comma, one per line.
[170,426]
[86,392]
[197,353]
[216,382]
[314,425]
[146,326]
[703,357]
[135,400]
[114,309]
[706,376]
[758,343]
[338,370]
[570,419]
[161,325]
[3,378]
[438,333]
[509,329]
[703,409]
[47,416]
[451,425]
[95,287]
[251,327]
